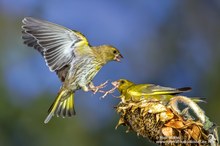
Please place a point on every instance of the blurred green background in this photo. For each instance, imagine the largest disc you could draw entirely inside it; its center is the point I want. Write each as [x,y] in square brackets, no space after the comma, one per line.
[171,43]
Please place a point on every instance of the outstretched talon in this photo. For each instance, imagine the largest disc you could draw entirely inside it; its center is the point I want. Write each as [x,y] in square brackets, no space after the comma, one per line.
[96,89]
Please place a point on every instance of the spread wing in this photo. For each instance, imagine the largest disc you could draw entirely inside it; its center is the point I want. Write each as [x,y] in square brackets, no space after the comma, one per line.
[151,89]
[58,45]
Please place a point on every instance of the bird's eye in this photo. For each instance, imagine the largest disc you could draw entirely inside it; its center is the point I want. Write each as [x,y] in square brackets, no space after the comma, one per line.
[114,51]
[122,81]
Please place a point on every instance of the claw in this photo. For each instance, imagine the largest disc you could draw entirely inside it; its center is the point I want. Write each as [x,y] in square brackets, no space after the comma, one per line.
[103,85]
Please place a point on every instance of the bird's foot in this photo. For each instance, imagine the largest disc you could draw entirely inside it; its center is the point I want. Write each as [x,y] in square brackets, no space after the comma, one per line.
[96,89]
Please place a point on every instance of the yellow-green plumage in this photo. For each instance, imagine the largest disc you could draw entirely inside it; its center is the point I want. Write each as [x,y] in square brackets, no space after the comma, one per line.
[61,107]
[151,92]
[68,53]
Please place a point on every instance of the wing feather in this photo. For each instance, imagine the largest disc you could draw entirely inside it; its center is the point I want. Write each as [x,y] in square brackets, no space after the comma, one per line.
[151,89]
[56,43]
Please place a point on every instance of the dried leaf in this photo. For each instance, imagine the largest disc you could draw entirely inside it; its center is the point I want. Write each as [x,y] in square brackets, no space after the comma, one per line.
[120,122]
[156,108]
[165,116]
[167,131]
[175,124]
[195,132]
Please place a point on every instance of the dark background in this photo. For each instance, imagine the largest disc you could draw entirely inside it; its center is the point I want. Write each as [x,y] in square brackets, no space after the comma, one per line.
[170,43]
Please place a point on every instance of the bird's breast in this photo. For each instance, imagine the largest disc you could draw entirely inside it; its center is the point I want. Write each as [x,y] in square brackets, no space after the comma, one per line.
[82,71]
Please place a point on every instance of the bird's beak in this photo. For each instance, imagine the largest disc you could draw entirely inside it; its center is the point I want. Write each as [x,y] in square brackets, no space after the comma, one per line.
[115,84]
[118,57]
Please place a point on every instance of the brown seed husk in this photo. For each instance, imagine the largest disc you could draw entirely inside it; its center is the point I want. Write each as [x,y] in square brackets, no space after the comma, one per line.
[163,125]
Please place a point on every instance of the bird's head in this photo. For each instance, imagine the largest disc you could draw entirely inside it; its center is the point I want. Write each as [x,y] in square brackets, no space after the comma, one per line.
[122,84]
[109,53]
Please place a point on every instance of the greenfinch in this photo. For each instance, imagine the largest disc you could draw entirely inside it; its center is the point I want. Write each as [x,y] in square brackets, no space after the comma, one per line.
[68,53]
[150,92]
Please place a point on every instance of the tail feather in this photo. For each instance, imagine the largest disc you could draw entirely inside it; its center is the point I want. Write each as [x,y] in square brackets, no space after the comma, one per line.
[169,91]
[63,106]
[181,90]
[184,89]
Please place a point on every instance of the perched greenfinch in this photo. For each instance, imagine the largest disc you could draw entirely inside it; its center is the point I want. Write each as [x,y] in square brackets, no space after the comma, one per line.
[68,53]
[136,92]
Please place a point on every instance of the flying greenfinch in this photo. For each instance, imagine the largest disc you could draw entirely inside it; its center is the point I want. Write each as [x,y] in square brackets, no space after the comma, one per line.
[68,53]
[150,92]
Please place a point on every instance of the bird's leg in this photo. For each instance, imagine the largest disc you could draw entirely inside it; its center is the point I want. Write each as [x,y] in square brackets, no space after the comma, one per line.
[96,89]
[85,88]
